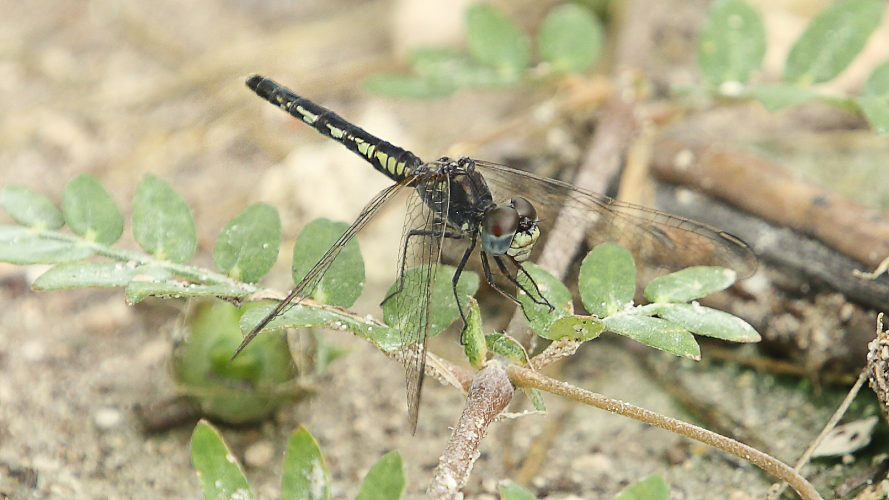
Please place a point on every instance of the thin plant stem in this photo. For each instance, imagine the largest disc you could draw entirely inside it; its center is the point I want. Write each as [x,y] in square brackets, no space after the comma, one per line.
[529,378]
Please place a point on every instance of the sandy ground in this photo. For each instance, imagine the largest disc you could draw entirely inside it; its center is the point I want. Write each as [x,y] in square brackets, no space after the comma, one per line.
[122,88]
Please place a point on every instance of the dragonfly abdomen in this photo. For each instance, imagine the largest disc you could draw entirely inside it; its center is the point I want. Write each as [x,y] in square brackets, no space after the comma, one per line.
[394,162]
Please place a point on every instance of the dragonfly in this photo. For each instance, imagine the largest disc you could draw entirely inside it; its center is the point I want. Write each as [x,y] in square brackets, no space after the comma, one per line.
[502,212]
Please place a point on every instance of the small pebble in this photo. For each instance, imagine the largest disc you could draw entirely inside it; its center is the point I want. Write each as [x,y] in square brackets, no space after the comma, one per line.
[738,495]
[107,418]
[259,454]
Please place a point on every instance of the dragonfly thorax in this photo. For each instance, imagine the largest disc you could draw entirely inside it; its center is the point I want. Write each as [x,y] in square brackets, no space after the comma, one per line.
[510,229]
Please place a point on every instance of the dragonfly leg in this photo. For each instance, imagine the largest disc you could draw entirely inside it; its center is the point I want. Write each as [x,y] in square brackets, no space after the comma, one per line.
[543,300]
[455,280]
[412,233]
[512,279]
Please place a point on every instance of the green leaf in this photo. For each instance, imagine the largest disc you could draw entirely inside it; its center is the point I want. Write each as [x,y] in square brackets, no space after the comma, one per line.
[570,38]
[449,67]
[400,310]
[385,480]
[781,95]
[877,84]
[95,275]
[162,222]
[876,110]
[90,211]
[248,246]
[247,389]
[539,316]
[689,284]
[507,347]
[30,208]
[343,282]
[710,322]
[536,398]
[495,41]
[21,246]
[651,488]
[511,491]
[607,279]
[412,86]
[874,99]
[655,332]
[218,471]
[139,290]
[473,339]
[732,42]
[831,41]
[575,327]
[304,475]
[301,316]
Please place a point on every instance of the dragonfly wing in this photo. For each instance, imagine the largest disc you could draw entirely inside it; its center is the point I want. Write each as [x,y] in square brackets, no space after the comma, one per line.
[424,230]
[307,285]
[661,240]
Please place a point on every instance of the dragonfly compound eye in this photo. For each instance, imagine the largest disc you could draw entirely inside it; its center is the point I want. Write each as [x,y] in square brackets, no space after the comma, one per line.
[498,229]
[527,213]
[527,231]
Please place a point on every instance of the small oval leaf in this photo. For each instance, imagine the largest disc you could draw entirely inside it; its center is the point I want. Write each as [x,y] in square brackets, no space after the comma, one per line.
[607,279]
[138,290]
[874,99]
[655,332]
[575,327]
[218,470]
[495,41]
[473,339]
[689,284]
[385,480]
[343,282]
[732,42]
[30,208]
[877,84]
[248,246]
[709,322]
[163,224]
[650,488]
[831,41]
[304,476]
[782,95]
[540,317]
[412,86]
[90,211]
[512,491]
[876,110]
[570,38]
[95,275]
[507,347]
[20,246]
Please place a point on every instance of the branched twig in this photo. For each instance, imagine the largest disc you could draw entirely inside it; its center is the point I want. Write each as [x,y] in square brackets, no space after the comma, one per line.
[526,377]
[489,394]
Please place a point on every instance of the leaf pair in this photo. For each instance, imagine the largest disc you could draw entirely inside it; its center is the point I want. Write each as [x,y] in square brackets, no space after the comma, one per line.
[304,473]
[607,284]
[733,42]
[499,53]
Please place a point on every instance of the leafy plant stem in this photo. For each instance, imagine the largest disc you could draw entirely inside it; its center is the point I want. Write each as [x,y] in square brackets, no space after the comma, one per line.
[525,377]
[198,274]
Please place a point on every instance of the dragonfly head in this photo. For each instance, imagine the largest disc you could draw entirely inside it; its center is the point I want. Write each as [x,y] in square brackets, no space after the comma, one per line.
[510,229]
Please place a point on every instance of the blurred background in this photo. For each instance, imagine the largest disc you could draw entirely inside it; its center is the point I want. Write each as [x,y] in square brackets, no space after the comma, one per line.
[119,89]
